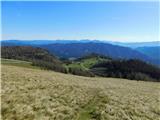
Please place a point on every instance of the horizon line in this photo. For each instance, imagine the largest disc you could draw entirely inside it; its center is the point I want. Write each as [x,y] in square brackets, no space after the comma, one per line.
[78,40]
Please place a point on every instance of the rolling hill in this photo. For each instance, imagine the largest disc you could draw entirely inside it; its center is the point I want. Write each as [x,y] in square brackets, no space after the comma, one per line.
[63,48]
[85,66]
[152,52]
[130,69]
[76,50]
[37,56]
[86,62]
[27,53]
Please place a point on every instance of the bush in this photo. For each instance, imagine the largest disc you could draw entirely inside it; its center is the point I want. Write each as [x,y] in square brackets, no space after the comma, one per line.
[49,66]
[77,71]
[141,76]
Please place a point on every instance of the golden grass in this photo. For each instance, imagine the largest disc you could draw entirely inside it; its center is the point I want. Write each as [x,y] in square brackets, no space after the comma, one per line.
[33,94]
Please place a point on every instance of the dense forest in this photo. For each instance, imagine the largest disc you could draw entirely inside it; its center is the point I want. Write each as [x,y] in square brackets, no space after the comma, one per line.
[130,69]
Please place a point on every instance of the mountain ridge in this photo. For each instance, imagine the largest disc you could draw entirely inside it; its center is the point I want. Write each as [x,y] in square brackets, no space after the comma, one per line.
[43,43]
[76,50]
[126,44]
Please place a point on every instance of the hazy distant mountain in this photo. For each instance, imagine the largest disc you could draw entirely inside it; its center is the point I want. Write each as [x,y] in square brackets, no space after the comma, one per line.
[75,50]
[78,48]
[42,42]
[152,52]
[137,44]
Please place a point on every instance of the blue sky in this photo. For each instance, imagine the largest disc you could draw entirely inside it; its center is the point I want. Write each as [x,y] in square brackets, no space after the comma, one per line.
[113,21]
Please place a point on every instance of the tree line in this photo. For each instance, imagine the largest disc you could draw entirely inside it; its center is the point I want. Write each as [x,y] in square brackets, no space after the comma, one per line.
[38,57]
[41,58]
[130,69]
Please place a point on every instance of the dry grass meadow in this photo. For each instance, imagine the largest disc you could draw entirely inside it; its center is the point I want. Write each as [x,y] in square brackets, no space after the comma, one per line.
[34,94]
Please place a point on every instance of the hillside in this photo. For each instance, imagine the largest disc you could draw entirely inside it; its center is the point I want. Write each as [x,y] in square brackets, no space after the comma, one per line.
[87,61]
[27,53]
[41,58]
[37,94]
[76,50]
[64,48]
[90,65]
[130,69]
[80,49]
[37,56]
[152,52]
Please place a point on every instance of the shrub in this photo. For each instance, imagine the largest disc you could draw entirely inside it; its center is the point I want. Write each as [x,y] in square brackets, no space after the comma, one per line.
[49,66]
[78,71]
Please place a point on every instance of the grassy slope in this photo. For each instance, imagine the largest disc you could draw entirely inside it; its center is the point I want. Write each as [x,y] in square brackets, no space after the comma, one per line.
[19,63]
[85,64]
[29,94]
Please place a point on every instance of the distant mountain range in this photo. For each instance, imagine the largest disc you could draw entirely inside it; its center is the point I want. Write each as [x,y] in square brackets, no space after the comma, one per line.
[79,48]
[76,50]
[137,44]
[152,52]
[44,42]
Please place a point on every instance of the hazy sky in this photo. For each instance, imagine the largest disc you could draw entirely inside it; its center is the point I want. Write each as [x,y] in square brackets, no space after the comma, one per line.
[114,21]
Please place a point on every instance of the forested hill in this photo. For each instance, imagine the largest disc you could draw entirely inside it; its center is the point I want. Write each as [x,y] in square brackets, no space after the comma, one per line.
[130,69]
[37,56]
[27,53]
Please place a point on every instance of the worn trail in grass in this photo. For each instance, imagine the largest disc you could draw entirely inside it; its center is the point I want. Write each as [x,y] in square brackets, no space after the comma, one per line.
[34,94]
[90,111]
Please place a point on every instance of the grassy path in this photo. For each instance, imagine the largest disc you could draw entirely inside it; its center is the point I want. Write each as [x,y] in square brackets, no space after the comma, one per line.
[91,110]
[85,113]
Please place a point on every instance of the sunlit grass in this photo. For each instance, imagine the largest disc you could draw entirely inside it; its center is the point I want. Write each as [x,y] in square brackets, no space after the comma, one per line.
[85,64]
[34,94]
[19,63]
